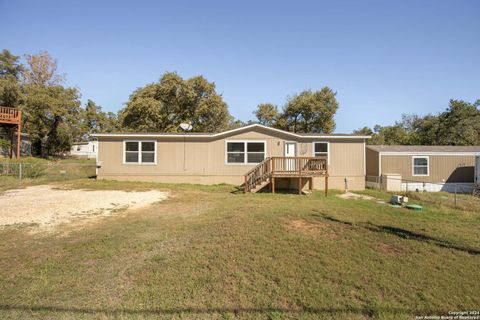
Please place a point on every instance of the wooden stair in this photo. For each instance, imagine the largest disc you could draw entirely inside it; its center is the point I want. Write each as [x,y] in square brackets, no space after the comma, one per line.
[270,168]
[260,186]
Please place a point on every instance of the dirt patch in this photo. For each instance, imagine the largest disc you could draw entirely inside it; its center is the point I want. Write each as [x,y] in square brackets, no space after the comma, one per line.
[315,229]
[387,249]
[351,195]
[46,206]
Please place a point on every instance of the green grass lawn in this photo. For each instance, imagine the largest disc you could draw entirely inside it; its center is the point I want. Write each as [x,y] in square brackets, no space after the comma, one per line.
[207,253]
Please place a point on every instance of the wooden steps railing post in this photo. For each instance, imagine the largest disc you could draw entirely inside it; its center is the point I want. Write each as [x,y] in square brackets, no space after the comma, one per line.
[299,163]
[326,185]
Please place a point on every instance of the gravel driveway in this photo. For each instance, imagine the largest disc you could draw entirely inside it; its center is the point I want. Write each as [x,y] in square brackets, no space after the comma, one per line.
[47,206]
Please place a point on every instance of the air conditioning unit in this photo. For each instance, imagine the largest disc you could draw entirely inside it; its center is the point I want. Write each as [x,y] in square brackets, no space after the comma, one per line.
[401,200]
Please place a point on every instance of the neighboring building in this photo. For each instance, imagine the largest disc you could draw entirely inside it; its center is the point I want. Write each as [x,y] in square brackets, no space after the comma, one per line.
[84,149]
[429,168]
[25,145]
[227,157]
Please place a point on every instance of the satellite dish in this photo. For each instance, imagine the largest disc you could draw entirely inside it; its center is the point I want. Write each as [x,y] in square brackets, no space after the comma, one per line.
[186,126]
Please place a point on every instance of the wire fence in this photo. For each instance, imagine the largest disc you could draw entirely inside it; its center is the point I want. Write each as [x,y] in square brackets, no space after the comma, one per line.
[54,170]
[464,196]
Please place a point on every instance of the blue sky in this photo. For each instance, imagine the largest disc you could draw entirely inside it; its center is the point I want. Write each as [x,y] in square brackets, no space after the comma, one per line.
[383,58]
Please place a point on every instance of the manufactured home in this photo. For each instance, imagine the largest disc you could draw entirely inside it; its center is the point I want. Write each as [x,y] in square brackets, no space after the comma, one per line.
[254,156]
[84,149]
[423,168]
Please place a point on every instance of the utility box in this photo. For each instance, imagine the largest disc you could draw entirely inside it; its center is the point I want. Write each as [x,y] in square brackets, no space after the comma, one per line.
[391,182]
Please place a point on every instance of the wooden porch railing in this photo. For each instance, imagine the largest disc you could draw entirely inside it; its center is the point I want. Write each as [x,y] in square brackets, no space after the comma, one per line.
[258,174]
[285,167]
[10,115]
[296,166]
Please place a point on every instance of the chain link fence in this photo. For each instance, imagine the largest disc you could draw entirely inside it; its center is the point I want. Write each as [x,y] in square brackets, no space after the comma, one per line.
[463,196]
[47,170]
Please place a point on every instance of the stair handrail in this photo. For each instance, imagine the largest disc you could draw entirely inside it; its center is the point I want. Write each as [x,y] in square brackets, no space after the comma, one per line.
[257,174]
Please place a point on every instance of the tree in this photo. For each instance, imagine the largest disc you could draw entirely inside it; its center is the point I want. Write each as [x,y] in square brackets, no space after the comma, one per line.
[458,125]
[51,111]
[51,115]
[95,120]
[42,70]
[10,91]
[162,106]
[10,72]
[311,111]
[235,123]
[267,114]
[10,65]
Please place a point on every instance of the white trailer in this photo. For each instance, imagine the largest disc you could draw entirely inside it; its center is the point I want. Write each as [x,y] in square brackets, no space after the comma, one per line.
[85,149]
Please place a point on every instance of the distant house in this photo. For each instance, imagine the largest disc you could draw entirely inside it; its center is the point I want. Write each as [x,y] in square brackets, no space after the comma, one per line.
[84,149]
[423,168]
[254,156]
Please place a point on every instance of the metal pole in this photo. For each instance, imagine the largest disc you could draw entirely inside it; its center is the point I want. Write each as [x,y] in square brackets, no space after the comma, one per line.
[20,171]
[18,141]
[184,150]
[455,196]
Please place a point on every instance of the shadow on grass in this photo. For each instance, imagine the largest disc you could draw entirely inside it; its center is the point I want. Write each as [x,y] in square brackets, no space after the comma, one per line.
[370,312]
[402,233]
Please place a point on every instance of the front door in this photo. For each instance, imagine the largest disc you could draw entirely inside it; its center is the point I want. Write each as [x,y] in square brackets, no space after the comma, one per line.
[290,151]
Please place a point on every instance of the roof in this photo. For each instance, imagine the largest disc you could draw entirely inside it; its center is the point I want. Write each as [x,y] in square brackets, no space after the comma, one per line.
[219,134]
[425,149]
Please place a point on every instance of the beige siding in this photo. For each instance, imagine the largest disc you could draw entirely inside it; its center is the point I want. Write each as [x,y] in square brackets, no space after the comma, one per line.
[372,162]
[442,168]
[205,161]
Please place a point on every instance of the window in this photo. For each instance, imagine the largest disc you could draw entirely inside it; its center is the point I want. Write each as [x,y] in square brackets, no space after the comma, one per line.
[140,152]
[321,149]
[420,166]
[243,152]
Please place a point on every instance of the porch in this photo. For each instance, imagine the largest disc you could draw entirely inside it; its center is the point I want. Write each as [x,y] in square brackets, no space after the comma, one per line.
[12,118]
[300,168]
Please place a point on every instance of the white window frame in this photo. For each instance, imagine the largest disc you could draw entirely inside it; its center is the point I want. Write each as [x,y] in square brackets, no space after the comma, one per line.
[413,166]
[245,152]
[328,149]
[140,153]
